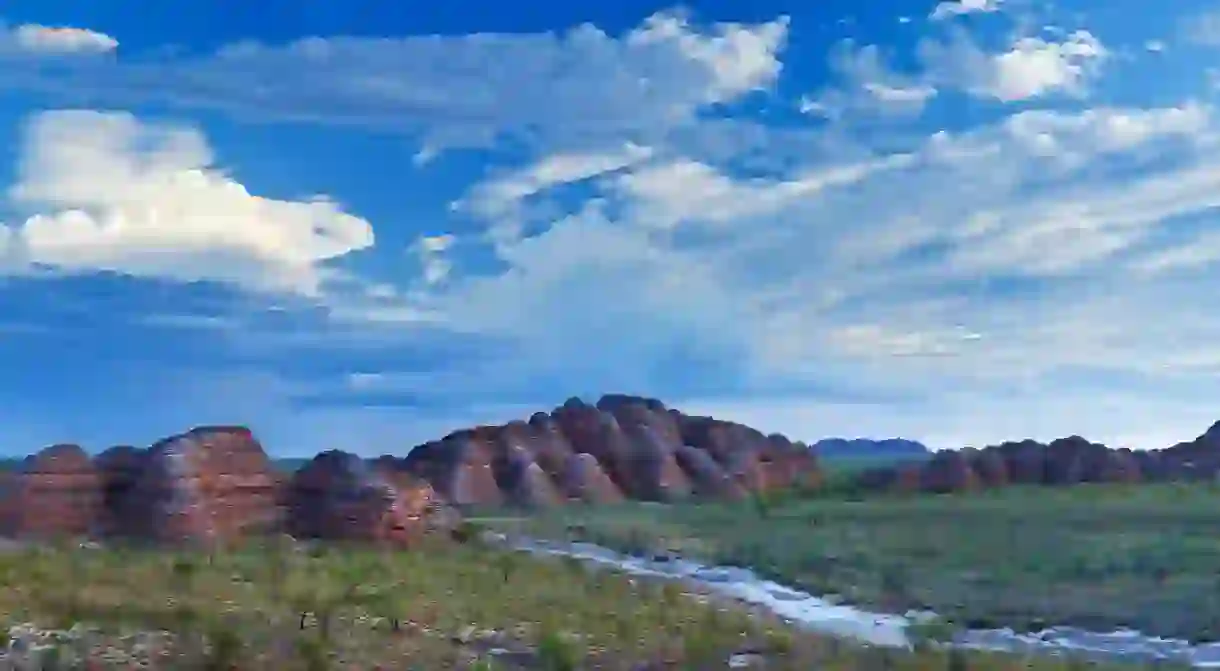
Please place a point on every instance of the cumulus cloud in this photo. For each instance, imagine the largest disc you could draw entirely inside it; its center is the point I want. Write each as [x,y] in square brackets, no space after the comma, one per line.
[45,40]
[1034,66]
[951,8]
[108,192]
[1028,68]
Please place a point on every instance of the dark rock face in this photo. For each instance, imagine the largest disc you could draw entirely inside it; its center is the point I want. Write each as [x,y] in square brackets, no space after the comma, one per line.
[734,446]
[1062,462]
[459,468]
[1197,459]
[653,466]
[118,467]
[339,496]
[57,494]
[584,480]
[1025,461]
[210,484]
[989,466]
[597,433]
[622,446]
[709,479]
[948,471]
[517,474]
[216,484]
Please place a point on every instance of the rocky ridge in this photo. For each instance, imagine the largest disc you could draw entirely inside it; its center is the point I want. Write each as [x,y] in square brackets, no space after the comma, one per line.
[1065,461]
[216,484]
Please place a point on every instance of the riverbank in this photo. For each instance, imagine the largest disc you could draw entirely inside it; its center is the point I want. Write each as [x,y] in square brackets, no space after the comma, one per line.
[909,631]
[440,606]
[1102,558]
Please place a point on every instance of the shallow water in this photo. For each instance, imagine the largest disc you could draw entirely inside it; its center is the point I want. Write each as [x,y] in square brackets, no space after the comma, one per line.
[824,616]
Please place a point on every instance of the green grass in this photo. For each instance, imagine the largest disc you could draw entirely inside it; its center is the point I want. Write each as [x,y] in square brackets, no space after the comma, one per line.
[439,607]
[1145,556]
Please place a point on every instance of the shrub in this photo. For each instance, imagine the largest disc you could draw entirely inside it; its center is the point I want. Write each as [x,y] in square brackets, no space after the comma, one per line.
[557,652]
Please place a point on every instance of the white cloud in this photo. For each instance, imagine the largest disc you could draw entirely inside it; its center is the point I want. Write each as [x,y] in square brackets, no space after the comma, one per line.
[1202,250]
[38,39]
[431,251]
[1202,29]
[109,192]
[1019,276]
[576,88]
[874,274]
[870,86]
[1034,67]
[668,194]
[1029,68]
[1071,138]
[741,58]
[500,198]
[951,8]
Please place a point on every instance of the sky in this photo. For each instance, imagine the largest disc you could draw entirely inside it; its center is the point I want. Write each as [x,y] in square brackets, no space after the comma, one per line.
[360,225]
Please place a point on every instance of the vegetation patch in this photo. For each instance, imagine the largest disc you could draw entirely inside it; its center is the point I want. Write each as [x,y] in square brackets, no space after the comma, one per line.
[1097,556]
[285,605]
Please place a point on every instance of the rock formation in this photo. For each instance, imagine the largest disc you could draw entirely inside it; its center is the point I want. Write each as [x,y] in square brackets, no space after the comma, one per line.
[217,485]
[339,496]
[583,479]
[118,467]
[56,494]
[988,465]
[948,471]
[621,446]
[209,484]
[459,468]
[1062,462]
[519,477]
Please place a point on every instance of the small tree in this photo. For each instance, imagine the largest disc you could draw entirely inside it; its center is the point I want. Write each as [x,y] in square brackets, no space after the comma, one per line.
[506,563]
[225,647]
[762,503]
[557,652]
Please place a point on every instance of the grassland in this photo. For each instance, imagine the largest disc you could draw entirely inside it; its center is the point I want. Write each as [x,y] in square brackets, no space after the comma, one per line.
[440,607]
[1097,556]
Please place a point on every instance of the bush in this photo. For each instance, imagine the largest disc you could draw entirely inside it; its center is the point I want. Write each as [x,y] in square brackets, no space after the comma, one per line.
[557,652]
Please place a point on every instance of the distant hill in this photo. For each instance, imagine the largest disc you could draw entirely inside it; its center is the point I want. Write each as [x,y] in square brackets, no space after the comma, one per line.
[866,450]
[288,465]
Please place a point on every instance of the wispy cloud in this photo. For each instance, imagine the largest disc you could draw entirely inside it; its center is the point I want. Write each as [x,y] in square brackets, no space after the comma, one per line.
[986,266]
[574,87]
[1201,28]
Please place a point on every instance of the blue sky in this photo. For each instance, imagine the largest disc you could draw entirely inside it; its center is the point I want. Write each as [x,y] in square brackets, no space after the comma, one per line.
[361,225]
